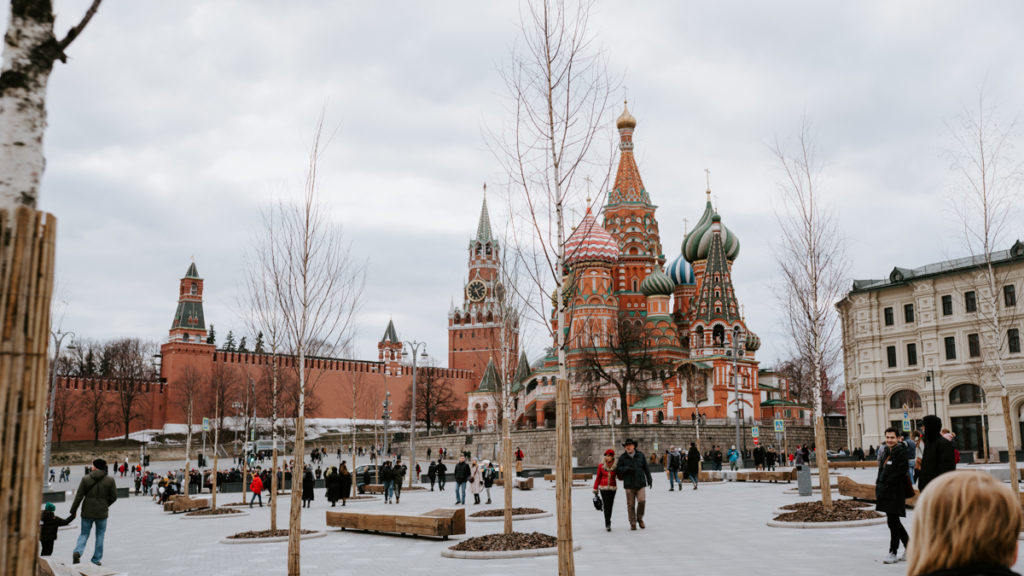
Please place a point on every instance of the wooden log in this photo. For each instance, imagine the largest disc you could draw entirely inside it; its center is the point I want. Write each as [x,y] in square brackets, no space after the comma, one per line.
[866,492]
[854,464]
[27,243]
[440,523]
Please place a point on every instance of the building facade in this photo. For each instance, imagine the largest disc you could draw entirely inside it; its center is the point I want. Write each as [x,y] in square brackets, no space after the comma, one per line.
[930,340]
[694,337]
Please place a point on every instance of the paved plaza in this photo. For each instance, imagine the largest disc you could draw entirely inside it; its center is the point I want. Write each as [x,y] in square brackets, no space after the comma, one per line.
[718,529]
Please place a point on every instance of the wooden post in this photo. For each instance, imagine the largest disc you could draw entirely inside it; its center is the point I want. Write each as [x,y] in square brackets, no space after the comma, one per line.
[213,474]
[563,478]
[295,503]
[508,467]
[821,453]
[1010,451]
[26,286]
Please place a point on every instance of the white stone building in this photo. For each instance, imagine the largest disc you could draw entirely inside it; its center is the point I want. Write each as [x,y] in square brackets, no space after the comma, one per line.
[925,338]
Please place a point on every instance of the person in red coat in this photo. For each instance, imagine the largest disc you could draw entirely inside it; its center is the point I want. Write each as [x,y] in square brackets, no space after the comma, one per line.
[257,490]
[604,484]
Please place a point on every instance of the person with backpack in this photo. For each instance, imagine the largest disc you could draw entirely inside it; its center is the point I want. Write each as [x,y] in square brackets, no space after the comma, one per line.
[96,492]
[488,474]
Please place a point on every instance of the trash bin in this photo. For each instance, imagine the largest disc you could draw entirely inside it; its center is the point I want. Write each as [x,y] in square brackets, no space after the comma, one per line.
[803,480]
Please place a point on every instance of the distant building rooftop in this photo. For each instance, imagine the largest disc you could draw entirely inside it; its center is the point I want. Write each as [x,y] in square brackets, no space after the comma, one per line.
[903,275]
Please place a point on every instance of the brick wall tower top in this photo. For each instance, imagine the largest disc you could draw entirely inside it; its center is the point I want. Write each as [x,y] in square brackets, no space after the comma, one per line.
[189,323]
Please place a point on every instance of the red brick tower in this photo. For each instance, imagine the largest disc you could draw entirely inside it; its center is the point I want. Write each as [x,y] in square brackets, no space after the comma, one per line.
[474,329]
[629,218]
[189,324]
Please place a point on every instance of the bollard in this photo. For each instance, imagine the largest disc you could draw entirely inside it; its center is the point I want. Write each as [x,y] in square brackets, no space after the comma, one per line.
[803,479]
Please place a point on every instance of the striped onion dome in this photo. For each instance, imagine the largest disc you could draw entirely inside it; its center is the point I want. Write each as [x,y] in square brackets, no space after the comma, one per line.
[590,242]
[681,272]
[753,342]
[657,284]
[698,242]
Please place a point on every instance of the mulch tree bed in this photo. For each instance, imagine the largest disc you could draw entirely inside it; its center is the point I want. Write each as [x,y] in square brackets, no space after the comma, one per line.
[842,511]
[266,533]
[501,512]
[506,542]
[235,504]
[213,512]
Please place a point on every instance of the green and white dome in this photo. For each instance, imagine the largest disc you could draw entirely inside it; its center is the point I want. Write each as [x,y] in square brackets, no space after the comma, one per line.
[698,242]
[657,284]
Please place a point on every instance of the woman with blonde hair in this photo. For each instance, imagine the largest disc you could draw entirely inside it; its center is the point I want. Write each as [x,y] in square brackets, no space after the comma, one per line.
[965,523]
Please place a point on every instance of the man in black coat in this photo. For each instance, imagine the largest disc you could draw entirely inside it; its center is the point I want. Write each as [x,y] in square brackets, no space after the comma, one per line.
[442,474]
[693,464]
[937,457]
[432,473]
[890,493]
[632,469]
[462,474]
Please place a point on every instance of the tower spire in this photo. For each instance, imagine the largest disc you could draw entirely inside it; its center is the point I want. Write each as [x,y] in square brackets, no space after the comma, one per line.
[483,229]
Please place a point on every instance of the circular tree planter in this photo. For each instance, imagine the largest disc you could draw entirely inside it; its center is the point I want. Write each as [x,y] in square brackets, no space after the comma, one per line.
[264,536]
[844,514]
[498,515]
[501,546]
[206,513]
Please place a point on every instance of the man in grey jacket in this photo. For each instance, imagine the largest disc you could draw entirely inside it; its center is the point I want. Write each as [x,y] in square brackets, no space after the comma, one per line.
[96,493]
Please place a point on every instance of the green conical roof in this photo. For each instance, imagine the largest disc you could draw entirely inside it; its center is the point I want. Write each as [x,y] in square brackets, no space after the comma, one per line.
[483,228]
[390,335]
[192,272]
[491,381]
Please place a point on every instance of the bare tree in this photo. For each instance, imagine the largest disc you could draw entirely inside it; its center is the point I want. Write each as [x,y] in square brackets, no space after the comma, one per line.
[64,411]
[316,286]
[27,252]
[434,395]
[628,362]
[96,405]
[801,384]
[221,392]
[987,196]
[132,371]
[187,399]
[812,258]
[559,98]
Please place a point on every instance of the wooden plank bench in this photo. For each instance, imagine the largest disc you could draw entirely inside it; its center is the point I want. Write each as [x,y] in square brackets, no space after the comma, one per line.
[854,464]
[440,523]
[181,503]
[373,488]
[866,492]
[575,477]
[521,483]
[766,476]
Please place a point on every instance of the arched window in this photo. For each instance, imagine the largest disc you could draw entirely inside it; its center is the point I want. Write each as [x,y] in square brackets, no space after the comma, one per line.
[718,334]
[965,394]
[194,289]
[700,336]
[909,397]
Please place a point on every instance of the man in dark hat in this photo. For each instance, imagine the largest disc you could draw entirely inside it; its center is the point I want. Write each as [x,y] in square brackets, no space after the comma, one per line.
[96,493]
[632,469]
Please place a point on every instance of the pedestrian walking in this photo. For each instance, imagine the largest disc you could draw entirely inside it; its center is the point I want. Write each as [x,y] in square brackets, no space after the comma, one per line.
[387,476]
[938,456]
[462,474]
[476,481]
[605,486]
[96,492]
[635,474]
[442,474]
[256,487]
[674,458]
[333,483]
[432,473]
[50,523]
[519,460]
[398,474]
[487,475]
[981,541]
[692,464]
[345,480]
[307,488]
[890,493]
[734,456]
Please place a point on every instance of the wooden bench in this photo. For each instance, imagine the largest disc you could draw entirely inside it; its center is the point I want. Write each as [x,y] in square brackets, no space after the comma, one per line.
[575,477]
[854,464]
[373,488]
[766,476]
[181,503]
[866,492]
[440,523]
[521,483]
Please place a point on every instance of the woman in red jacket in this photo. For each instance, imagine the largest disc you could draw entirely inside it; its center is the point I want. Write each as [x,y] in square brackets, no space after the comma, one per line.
[604,484]
[257,490]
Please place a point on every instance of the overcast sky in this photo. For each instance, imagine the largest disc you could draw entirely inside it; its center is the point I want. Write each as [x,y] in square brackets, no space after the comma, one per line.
[174,123]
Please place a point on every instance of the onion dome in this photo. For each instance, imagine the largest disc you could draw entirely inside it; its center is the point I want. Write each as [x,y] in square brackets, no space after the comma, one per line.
[698,242]
[657,284]
[626,120]
[753,342]
[590,242]
[681,272]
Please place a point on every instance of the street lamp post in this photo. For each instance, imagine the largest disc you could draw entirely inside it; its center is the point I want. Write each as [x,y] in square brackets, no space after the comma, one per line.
[58,337]
[385,417]
[930,377]
[238,414]
[738,341]
[414,349]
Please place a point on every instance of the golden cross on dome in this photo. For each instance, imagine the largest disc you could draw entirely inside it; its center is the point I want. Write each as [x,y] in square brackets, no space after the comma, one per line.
[707,175]
[686,223]
[588,190]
